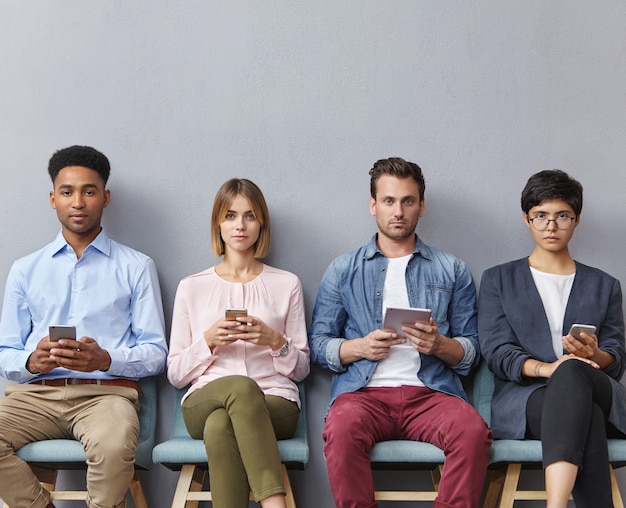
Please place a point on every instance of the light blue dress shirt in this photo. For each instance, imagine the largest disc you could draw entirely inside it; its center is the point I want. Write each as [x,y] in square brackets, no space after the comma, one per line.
[111,294]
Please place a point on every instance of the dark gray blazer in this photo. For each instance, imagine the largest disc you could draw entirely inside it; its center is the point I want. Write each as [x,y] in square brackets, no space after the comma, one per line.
[513,326]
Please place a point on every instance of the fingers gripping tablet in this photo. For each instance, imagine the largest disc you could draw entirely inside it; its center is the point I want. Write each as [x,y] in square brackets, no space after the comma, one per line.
[396,317]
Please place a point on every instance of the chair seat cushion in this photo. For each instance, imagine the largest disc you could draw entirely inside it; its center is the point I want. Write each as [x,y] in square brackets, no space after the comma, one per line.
[529,451]
[178,451]
[406,452]
[617,452]
[53,450]
[67,451]
[513,450]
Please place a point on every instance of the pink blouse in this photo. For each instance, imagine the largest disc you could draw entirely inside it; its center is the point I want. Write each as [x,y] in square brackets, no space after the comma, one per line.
[275,296]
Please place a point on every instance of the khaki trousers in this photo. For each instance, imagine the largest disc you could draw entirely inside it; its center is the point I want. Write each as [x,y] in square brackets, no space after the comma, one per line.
[103,418]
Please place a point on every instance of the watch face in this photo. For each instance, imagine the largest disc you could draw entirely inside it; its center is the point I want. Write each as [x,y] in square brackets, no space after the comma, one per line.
[285,349]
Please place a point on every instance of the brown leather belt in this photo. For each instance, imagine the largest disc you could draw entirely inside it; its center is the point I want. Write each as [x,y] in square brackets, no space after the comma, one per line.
[75,381]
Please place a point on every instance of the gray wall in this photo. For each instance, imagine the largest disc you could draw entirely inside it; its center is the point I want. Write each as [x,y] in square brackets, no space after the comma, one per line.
[303,97]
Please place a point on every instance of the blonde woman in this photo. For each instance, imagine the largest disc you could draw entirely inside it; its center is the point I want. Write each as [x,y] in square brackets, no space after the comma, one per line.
[242,370]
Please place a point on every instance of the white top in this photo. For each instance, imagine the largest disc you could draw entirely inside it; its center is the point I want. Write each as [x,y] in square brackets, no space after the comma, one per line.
[403,363]
[554,291]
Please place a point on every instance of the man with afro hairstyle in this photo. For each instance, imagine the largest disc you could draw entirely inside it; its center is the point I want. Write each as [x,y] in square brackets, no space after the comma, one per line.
[84,385]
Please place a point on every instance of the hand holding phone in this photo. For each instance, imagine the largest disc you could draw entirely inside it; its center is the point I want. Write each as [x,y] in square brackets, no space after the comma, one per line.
[56,332]
[576,328]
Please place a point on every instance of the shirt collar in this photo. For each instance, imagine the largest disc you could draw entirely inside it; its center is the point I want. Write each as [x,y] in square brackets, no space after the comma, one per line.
[420,248]
[101,243]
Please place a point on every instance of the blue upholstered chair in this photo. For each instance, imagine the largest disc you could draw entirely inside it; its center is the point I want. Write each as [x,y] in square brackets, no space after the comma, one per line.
[46,458]
[187,455]
[508,457]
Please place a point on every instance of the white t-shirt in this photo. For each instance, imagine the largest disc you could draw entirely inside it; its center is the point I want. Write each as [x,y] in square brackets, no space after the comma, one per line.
[554,291]
[401,366]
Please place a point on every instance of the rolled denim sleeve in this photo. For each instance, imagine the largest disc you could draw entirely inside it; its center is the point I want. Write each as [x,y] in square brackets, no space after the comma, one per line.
[463,319]
[469,354]
[329,317]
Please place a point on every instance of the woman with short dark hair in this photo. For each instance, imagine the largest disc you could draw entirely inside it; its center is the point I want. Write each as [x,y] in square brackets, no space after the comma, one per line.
[552,382]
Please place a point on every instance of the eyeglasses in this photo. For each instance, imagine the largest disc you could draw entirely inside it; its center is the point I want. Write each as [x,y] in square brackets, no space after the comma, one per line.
[562,222]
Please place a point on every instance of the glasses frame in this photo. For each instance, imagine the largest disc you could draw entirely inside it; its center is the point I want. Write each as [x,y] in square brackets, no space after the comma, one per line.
[572,219]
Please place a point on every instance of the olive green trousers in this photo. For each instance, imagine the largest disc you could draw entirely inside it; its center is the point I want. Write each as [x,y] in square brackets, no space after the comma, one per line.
[239,425]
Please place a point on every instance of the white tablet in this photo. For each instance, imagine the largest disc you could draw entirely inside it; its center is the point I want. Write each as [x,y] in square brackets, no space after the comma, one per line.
[396,317]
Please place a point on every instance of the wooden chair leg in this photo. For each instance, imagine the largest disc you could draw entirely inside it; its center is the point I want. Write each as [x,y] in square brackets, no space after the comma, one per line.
[47,477]
[190,479]
[137,493]
[494,487]
[617,496]
[435,475]
[289,499]
[510,485]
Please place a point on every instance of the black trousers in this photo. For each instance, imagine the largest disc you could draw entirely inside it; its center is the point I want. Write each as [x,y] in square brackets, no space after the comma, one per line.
[570,416]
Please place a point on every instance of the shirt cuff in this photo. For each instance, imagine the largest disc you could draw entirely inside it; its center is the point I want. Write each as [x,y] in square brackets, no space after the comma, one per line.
[118,362]
[332,355]
[469,353]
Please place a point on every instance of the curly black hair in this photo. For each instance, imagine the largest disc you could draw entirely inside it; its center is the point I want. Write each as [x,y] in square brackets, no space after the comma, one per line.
[76,155]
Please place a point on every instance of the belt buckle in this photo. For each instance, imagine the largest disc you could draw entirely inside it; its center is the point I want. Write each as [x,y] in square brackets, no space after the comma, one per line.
[73,381]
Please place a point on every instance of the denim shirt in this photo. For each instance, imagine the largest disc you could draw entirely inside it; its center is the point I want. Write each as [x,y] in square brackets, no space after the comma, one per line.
[349,305]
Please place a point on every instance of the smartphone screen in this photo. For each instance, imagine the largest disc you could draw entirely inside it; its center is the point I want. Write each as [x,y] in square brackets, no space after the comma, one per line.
[57,332]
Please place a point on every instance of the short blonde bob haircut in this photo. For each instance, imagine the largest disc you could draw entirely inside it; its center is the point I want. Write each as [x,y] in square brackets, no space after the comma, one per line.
[224,198]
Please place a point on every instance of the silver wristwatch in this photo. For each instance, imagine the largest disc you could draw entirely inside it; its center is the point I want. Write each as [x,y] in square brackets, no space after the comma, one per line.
[282,351]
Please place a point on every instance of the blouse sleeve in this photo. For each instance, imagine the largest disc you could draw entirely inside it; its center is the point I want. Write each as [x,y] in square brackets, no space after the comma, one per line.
[188,358]
[295,364]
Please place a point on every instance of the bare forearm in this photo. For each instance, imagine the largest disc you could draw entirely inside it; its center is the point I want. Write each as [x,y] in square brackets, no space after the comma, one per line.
[449,350]
[602,358]
[351,351]
[375,347]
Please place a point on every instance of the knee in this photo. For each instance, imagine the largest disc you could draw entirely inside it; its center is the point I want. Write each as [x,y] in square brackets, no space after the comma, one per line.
[477,430]
[113,449]
[116,442]
[569,370]
[472,433]
[244,386]
[245,400]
